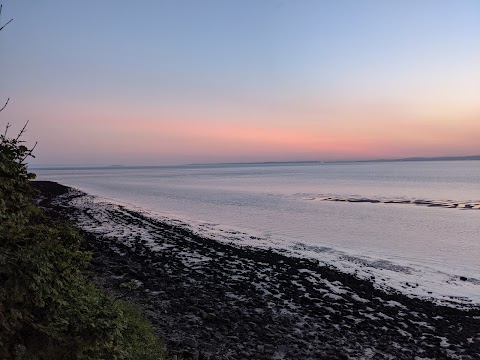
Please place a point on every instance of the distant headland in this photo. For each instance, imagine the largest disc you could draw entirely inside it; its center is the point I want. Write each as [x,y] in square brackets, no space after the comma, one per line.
[437,158]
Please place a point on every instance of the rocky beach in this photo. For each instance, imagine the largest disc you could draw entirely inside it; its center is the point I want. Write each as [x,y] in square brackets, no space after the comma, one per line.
[213,300]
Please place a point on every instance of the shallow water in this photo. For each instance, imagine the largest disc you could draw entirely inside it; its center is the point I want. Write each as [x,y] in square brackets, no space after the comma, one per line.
[284,206]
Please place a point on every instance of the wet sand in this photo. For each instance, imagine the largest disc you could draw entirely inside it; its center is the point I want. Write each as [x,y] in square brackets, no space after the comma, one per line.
[212,300]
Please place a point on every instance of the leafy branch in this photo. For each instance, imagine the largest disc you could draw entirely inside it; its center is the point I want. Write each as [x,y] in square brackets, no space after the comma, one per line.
[128,288]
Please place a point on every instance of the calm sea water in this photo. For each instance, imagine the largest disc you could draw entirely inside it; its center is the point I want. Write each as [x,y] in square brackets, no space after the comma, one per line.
[280,206]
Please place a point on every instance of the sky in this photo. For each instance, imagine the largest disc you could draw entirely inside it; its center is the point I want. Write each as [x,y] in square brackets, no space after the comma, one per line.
[156,82]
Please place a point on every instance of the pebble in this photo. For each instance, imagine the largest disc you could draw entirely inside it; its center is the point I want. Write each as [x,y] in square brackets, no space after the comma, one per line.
[190,342]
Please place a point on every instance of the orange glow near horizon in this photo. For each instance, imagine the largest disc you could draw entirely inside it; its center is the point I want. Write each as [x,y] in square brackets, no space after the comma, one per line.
[354,132]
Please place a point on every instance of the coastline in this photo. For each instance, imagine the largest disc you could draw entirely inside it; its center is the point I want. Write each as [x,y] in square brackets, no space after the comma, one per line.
[219,301]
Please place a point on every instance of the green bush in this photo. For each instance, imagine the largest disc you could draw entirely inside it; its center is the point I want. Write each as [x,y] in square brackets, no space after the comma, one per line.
[139,340]
[48,309]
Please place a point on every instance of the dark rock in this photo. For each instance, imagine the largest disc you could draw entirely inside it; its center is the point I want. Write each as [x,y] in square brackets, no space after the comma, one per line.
[190,342]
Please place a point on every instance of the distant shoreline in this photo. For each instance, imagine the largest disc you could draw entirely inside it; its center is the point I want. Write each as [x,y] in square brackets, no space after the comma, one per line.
[264,163]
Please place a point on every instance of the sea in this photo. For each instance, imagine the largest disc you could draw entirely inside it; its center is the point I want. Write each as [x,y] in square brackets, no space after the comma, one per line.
[408,226]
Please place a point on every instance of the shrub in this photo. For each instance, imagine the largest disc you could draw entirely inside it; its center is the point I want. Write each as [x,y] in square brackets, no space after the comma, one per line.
[48,309]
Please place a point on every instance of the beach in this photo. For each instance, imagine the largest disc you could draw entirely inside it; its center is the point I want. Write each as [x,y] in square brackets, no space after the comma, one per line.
[214,300]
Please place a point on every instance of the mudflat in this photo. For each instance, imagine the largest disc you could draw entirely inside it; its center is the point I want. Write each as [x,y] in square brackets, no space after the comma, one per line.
[212,300]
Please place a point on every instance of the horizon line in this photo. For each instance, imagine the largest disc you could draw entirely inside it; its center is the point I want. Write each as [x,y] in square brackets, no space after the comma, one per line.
[113,166]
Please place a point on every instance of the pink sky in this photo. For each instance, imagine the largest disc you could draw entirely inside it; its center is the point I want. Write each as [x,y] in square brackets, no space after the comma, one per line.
[178,82]
[106,134]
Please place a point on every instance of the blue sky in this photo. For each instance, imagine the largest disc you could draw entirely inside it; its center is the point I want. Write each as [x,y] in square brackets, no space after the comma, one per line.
[265,80]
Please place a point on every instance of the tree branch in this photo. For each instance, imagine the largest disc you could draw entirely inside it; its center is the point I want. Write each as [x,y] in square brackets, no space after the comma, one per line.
[29,153]
[6,130]
[4,106]
[8,22]
[22,131]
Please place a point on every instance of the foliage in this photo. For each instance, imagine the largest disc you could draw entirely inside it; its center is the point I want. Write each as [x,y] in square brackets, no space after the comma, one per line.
[139,340]
[48,310]
[15,189]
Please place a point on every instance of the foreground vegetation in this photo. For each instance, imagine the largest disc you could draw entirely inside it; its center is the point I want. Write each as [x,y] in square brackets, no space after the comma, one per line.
[48,308]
